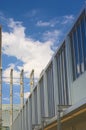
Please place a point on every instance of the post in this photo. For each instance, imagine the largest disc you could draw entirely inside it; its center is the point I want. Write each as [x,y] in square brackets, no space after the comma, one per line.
[0,98]
[60,108]
[11,97]
[0,77]
[31,80]
[22,87]
[42,122]
[58,118]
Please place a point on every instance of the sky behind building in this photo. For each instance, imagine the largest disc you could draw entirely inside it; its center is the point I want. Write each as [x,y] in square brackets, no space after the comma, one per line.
[31,32]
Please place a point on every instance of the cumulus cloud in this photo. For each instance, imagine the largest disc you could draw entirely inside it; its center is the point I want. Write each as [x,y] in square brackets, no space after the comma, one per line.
[34,54]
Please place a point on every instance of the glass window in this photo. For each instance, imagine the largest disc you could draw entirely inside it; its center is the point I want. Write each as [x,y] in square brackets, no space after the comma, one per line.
[83,30]
[73,57]
[78,46]
[76,50]
[81,60]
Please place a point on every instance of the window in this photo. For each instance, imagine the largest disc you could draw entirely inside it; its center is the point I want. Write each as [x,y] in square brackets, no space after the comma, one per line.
[78,46]
[76,50]
[62,76]
[50,87]
[83,31]
[81,59]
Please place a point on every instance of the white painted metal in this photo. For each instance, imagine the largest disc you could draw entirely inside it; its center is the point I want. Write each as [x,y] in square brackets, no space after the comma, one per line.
[38,104]
[69,67]
[55,84]
[45,95]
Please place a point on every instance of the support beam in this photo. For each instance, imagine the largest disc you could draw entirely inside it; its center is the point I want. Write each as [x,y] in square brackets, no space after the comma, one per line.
[60,109]
[11,97]
[22,87]
[31,80]
[44,120]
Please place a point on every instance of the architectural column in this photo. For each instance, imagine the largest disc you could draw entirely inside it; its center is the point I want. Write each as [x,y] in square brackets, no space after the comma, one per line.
[0,77]
[22,88]
[11,97]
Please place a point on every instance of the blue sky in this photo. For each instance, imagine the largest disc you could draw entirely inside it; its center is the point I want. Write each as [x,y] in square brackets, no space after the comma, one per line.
[31,32]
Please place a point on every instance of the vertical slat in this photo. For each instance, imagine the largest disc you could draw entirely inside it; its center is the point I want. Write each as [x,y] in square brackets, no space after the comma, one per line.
[42,97]
[35,99]
[50,87]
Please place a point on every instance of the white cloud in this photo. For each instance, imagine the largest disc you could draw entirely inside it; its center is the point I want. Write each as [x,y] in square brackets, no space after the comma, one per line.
[56,21]
[50,23]
[26,95]
[43,24]
[52,36]
[67,19]
[6,99]
[34,54]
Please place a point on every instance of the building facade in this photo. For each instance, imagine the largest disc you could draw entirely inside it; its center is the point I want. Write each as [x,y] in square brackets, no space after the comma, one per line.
[59,98]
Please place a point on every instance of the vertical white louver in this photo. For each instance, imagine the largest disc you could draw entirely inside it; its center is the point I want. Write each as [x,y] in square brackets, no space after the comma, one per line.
[50,87]
[62,76]
[41,83]
[36,110]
